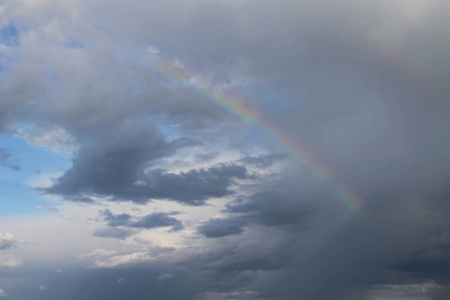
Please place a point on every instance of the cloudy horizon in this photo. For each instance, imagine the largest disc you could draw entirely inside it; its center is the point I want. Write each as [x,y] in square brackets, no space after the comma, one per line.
[230,149]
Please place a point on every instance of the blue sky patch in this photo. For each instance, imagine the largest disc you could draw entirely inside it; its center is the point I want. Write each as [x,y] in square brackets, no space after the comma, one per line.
[75,45]
[16,194]
[9,35]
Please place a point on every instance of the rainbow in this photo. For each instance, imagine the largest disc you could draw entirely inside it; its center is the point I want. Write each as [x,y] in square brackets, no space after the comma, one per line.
[242,110]
[381,45]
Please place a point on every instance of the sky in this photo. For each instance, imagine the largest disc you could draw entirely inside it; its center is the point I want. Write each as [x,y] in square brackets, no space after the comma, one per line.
[228,149]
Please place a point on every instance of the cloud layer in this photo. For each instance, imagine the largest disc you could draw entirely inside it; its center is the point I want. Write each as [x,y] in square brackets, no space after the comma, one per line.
[173,191]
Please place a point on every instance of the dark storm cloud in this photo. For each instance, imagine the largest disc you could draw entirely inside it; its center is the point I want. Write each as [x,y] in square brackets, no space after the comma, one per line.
[236,261]
[114,164]
[112,284]
[196,186]
[116,175]
[275,208]
[153,220]
[440,293]
[5,160]
[429,258]
[281,208]
[386,244]
[215,228]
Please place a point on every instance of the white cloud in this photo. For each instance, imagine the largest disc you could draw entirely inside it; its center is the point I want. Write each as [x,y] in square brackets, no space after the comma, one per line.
[7,241]
[3,294]
[43,180]
[57,237]
[152,52]
[54,139]
[117,260]
[43,288]
[9,260]
[100,253]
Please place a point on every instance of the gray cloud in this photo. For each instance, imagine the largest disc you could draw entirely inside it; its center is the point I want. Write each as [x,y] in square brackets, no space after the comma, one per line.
[116,220]
[205,156]
[363,86]
[5,160]
[112,232]
[215,228]
[276,208]
[99,283]
[281,208]
[153,220]
[263,161]
[116,175]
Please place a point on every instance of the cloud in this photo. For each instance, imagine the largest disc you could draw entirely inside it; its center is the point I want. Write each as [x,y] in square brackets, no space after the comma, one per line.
[206,156]
[268,208]
[50,208]
[55,139]
[5,155]
[165,276]
[119,181]
[7,241]
[112,232]
[100,253]
[3,294]
[43,288]
[153,220]
[121,280]
[263,161]
[9,260]
[118,260]
[24,84]
[215,228]
[152,52]
[116,220]
[361,88]
[276,208]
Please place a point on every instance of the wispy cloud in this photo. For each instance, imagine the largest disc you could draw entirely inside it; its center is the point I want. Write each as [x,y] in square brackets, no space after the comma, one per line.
[5,160]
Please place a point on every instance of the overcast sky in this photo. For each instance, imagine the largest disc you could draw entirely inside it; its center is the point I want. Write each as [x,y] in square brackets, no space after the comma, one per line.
[227,149]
